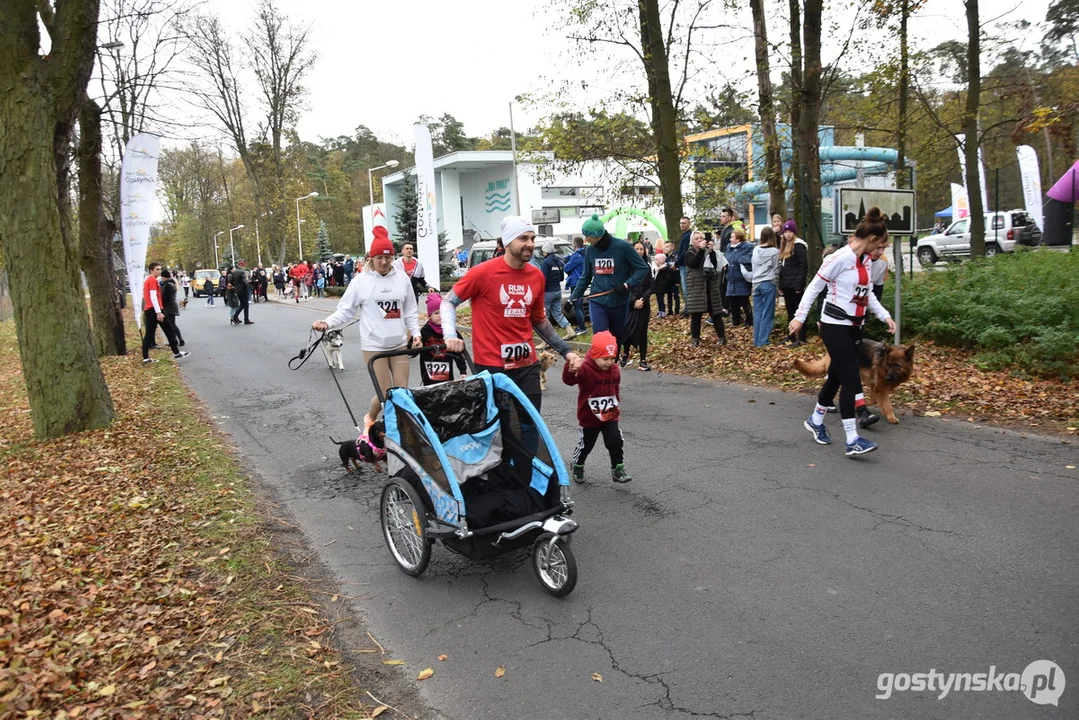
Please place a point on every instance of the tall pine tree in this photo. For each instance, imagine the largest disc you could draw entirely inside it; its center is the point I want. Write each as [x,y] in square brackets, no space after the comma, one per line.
[405,217]
[325,251]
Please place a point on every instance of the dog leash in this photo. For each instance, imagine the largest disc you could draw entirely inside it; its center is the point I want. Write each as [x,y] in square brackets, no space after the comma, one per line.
[305,355]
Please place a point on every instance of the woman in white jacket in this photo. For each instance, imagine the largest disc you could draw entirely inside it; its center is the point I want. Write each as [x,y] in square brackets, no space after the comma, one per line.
[382,296]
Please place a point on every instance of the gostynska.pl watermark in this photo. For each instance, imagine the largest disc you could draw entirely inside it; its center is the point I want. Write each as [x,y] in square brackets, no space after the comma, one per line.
[1042,682]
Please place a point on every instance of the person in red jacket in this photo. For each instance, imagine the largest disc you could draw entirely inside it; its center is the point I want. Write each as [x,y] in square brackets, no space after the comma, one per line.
[297,273]
[597,382]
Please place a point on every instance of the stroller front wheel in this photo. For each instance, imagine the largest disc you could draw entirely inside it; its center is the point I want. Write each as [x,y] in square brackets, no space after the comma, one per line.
[404,525]
[554,564]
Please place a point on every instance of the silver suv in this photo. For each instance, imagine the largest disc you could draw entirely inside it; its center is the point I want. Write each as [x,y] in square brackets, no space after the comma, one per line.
[1003,231]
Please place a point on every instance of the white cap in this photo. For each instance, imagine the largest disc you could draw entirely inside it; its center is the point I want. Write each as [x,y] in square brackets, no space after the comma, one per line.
[513,227]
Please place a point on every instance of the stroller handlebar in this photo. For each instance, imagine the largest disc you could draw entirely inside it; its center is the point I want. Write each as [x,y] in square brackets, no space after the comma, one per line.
[410,352]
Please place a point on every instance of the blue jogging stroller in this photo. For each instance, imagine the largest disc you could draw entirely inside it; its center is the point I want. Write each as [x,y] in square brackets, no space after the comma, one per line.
[472,464]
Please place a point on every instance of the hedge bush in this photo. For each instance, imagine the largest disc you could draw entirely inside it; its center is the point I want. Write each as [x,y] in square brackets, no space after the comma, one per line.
[1017,309]
[335,290]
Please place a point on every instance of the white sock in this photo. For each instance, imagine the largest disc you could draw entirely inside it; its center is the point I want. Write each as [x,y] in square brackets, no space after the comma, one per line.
[817,418]
[850,427]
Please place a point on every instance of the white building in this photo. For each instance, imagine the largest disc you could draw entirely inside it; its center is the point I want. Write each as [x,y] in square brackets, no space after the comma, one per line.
[475,190]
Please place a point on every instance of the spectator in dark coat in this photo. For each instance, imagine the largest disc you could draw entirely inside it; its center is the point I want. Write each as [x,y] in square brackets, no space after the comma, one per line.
[704,266]
[793,266]
[640,311]
[170,306]
[739,274]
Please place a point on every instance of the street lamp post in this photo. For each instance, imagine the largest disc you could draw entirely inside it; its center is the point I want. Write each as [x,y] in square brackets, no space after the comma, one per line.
[258,243]
[299,237]
[217,263]
[231,245]
[370,185]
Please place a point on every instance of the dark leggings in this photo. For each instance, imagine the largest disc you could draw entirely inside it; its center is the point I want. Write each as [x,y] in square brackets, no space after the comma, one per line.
[669,301]
[713,312]
[640,338]
[612,439]
[843,343]
[791,298]
[738,305]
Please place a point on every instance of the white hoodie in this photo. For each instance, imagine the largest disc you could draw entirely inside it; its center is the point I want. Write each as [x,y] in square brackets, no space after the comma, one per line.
[387,308]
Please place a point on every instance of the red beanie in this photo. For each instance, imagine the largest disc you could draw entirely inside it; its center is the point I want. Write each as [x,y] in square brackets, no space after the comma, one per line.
[604,345]
[381,244]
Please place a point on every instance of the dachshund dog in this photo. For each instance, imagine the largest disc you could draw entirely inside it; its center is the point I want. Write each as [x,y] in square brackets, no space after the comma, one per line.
[370,448]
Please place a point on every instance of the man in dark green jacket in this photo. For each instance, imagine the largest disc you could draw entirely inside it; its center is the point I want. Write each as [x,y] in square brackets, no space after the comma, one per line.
[610,267]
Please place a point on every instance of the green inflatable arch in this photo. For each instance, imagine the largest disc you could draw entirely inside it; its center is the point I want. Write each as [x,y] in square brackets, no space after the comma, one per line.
[621,225]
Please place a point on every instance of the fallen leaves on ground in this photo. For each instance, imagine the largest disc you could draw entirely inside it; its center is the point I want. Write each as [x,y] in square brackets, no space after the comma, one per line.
[500,671]
[425,673]
[136,577]
[946,381]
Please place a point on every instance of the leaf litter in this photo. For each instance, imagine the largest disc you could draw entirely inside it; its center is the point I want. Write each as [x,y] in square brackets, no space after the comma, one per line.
[136,577]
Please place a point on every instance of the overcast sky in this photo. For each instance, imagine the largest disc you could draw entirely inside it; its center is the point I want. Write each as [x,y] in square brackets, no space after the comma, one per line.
[382,63]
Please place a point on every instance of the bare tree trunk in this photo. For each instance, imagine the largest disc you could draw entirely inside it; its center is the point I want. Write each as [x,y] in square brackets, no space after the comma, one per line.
[807,141]
[773,167]
[664,117]
[797,189]
[95,238]
[970,127]
[904,88]
[39,101]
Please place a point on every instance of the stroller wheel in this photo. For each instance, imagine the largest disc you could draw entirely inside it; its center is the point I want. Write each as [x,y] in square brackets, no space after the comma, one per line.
[555,566]
[404,522]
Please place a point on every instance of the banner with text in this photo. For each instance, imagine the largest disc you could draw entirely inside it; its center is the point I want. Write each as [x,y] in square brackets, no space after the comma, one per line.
[1032,182]
[981,171]
[960,203]
[138,188]
[426,212]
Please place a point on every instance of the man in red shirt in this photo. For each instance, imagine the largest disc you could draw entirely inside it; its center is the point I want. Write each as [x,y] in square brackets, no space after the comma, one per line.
[413,268]
[152,314]
[297,272]
[506,294]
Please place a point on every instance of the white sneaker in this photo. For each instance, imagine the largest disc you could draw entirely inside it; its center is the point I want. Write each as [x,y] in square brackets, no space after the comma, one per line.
[181,354]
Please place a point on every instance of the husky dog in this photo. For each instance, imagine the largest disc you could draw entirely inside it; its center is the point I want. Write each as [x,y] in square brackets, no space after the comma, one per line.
[331,348]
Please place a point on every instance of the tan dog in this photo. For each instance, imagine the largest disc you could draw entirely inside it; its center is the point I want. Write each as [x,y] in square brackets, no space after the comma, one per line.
[547,359]
[883,368]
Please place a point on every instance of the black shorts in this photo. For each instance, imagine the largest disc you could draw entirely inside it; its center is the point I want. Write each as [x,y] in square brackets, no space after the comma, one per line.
[526,378]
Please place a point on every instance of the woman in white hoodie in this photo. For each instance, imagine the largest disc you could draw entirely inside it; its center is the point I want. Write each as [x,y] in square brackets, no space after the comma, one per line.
[765,269]
[382,296]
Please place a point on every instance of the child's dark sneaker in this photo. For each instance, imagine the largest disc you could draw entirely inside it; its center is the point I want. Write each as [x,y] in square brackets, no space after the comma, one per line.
[578,473]
[866,418]
[619,474]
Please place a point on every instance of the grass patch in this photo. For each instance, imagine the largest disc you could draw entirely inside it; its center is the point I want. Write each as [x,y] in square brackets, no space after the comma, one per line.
[1017,311]
[138,577]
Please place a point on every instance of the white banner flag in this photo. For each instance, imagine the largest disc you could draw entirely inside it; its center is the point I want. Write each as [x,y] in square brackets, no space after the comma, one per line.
[138,186]
[1032,182]
[372,215]
[981,170]
[426,212]
[960,203]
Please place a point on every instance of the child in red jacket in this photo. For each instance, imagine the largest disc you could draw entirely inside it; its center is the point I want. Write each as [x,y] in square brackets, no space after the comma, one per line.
[597,380]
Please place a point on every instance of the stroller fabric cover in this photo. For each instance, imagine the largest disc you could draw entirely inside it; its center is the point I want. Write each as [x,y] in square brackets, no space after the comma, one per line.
[478,430]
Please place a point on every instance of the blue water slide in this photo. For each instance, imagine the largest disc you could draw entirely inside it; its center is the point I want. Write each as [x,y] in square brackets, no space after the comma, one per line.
[881,161]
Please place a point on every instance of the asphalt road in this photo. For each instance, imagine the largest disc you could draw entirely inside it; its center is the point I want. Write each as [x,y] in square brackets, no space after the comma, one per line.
[745,572]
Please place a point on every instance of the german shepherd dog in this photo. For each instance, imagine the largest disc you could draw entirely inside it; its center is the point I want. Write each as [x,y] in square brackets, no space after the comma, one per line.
[884,367]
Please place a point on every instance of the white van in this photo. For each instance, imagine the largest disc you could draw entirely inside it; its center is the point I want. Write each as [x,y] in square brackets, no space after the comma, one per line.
[485,249]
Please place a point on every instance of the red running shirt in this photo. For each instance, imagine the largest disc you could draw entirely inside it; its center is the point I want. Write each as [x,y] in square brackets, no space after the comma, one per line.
[148,285]
[505,305]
